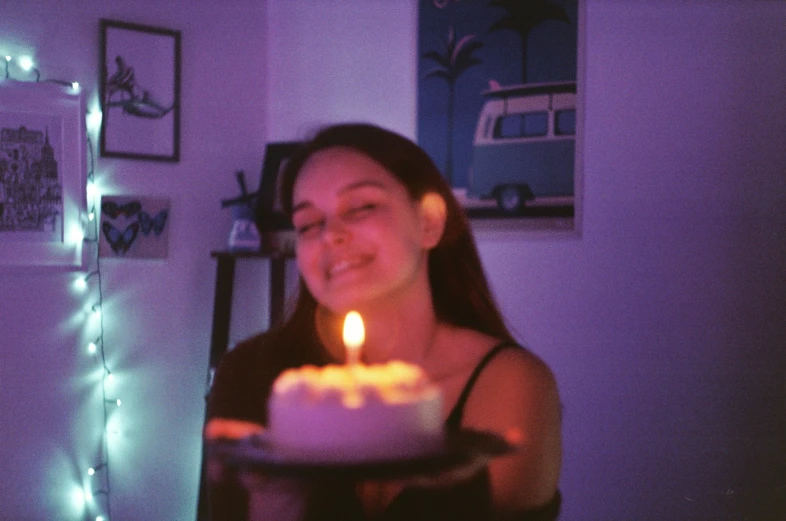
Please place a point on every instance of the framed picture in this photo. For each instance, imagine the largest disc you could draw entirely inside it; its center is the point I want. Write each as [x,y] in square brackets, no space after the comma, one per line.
[42,165]
[134,227]
[269,215]
[499,107]
[140,92]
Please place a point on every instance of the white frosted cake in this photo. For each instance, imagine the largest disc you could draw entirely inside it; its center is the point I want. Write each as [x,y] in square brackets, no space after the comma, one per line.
[340,413]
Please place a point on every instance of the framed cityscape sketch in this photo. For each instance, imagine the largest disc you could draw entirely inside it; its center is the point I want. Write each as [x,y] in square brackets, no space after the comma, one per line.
[140,91]
[499,107]
[42,163]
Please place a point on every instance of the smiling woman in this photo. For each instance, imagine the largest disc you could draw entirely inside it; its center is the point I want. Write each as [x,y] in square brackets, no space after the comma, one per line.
[359,235]
[379,231]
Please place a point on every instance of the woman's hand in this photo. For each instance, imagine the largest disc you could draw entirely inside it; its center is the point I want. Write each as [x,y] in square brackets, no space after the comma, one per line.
[229,429]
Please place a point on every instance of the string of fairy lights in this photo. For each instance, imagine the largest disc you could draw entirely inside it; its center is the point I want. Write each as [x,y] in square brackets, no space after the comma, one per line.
[92,495]
[98,478]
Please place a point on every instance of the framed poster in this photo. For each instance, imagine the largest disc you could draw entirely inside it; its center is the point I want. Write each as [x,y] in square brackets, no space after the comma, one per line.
[499,107]
[140,92]
[42,165]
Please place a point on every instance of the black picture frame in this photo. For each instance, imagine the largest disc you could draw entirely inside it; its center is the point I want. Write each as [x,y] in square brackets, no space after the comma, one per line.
[139,91]
[268,213]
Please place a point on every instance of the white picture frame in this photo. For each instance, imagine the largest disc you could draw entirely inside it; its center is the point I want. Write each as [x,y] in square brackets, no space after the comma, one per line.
[42,184]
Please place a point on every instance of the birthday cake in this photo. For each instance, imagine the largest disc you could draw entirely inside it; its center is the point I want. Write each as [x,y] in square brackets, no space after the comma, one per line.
[355,413]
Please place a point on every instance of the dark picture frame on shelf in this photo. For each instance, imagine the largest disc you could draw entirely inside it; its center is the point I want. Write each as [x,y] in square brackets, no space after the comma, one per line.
[139,91]
[268,212]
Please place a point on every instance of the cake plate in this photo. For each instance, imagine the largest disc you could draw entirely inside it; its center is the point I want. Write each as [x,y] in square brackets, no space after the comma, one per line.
[462,450]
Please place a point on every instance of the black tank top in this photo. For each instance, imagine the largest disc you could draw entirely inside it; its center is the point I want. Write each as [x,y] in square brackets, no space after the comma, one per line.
[470,500]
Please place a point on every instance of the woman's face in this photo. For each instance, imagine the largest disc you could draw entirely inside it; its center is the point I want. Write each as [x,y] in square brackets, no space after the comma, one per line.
[360,236]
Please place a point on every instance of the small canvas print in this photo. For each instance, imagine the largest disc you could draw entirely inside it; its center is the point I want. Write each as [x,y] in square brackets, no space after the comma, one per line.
[31,186]
[134,227]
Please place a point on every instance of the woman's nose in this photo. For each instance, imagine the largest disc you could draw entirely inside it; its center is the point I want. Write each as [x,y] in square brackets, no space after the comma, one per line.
[335,231]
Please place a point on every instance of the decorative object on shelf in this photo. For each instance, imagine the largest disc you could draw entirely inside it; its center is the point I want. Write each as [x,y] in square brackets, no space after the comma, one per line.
[140,91]
[42,164]
[134,227]
[244,235]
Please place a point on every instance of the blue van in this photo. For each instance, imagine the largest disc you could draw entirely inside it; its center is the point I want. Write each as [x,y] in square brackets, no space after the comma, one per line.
[524,146]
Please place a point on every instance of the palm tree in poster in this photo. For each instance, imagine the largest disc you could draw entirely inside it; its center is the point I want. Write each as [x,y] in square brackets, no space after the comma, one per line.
[523,16]
[452,60]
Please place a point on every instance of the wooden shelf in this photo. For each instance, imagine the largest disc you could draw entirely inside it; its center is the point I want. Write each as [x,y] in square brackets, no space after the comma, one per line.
[225,282]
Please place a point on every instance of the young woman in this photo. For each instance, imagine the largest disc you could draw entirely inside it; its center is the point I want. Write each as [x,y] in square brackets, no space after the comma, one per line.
[379,232]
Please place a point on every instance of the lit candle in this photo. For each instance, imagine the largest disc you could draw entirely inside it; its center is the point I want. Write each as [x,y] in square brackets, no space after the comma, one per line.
[354,336]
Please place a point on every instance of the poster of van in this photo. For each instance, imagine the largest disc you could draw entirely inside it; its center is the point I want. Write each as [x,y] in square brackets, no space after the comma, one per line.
[497,92]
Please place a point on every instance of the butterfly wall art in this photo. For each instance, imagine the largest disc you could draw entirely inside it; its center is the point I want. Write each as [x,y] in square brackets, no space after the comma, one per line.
[134,227]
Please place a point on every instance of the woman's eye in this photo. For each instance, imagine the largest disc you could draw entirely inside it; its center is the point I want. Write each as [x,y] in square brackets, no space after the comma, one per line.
[360,210]
[308,228]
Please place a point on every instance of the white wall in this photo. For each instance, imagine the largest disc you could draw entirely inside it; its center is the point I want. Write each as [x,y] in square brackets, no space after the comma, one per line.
[662,321]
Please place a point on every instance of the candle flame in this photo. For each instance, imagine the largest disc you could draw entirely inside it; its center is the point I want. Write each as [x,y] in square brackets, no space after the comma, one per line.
[354,336]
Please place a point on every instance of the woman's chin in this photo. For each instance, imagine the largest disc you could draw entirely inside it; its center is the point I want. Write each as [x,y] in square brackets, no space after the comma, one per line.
[352,300]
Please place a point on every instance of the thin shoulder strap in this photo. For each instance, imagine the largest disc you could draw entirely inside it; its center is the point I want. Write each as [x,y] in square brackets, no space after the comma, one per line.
[457,413]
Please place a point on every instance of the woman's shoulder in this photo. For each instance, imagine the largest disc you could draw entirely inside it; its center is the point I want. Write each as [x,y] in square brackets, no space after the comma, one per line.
[519,372]
[503,356]
[268,352]
[518,362]
[509,377]
[251,348]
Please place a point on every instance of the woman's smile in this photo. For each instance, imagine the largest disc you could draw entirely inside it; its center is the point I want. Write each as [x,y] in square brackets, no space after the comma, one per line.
[346,265]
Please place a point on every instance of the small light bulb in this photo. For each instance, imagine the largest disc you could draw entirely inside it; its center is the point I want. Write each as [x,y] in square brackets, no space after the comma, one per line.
[91,189]
[75,85]
[100,518]
[91,216]
[76,234]
[91,471]
[94,119]
[26,62]
[118,402]
[78,498]
[91,347]
[80,283]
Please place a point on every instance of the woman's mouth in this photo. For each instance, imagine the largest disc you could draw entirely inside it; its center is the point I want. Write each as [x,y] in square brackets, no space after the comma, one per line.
[343,266]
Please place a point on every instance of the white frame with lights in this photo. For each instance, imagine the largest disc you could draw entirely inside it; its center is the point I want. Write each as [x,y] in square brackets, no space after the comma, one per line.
[66,102]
